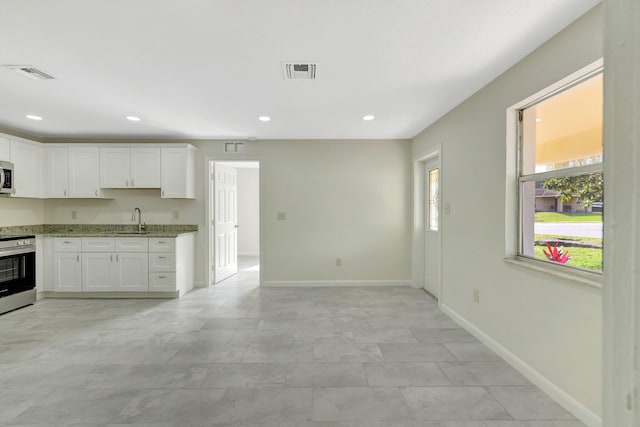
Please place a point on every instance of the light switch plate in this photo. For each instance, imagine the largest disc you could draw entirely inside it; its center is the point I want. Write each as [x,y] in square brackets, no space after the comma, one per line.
[282,216]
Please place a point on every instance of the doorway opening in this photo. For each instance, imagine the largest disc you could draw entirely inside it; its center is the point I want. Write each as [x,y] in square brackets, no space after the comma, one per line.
[234,222]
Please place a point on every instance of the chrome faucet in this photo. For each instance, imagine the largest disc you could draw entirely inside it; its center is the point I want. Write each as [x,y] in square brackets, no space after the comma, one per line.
[141,226]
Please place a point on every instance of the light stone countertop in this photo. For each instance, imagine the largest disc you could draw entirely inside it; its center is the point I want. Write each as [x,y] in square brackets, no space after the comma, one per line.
[100,230]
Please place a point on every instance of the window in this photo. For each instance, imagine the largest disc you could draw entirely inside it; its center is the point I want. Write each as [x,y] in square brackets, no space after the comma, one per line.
[560,181]
[433,199]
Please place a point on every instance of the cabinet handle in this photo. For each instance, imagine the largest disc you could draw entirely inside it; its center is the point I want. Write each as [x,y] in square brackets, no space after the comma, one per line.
[65,192]
[162,193]
[162,277]
[132,184]
[162,242]
[126,184]
[117,258]
[78,258]
[111,257]
[66,242]
[162,257]
[96,193]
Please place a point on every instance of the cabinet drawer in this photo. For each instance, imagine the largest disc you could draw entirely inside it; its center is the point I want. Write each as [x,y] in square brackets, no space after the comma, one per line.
[98,244]
[162,262]
[132,244]
[162,282]
[67,244]
[162,245]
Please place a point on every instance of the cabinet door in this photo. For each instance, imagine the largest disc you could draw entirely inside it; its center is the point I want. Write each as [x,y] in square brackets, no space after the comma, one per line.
[97,272]
[67,272]
[145,167]
[84,172]
[115,168]
[28,165]
[132,270]
[57,160]
[177,173]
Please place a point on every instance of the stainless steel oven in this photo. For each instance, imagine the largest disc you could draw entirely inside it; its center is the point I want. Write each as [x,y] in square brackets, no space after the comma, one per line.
[7,185]
[17,272]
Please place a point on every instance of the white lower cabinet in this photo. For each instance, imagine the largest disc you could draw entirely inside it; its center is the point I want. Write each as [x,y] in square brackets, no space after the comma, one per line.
[121,264]
[67,276]
[132,272]
[98,272]
[104,269]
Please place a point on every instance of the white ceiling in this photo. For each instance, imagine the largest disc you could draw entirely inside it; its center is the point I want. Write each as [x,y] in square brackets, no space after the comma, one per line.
[209,68]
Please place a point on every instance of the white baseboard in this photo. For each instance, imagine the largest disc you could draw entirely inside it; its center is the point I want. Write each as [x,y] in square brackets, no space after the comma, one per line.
[332,283]
[580,411]
[248,253]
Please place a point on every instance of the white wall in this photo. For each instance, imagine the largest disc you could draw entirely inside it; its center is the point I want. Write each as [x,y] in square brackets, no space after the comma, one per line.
[14,211]
[343,198]
[551,324]
[248,211]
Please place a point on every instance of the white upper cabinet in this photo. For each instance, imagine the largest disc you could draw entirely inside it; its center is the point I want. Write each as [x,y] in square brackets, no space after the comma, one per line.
[84,172]
[145,167]
[115,167]
[135,167]
[73,172]
[28,162]
[57,172]
[178,172]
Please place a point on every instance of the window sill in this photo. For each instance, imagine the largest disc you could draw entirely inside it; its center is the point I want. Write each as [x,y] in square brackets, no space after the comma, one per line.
[584,277]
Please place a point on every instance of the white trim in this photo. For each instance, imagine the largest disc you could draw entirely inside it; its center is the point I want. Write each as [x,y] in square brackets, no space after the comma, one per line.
[565,272]
[580,411]
[108,295]
[332,283]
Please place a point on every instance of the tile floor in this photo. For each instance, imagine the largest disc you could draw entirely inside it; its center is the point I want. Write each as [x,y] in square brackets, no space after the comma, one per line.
[238,355]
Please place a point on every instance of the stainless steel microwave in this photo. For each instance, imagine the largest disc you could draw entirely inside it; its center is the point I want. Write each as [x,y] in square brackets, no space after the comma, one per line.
[7,185]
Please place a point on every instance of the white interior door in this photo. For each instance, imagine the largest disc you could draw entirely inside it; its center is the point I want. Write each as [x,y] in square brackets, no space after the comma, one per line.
[432,227]
[225,222]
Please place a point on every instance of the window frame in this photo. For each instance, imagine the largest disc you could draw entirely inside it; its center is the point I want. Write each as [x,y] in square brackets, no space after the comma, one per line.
[514,208]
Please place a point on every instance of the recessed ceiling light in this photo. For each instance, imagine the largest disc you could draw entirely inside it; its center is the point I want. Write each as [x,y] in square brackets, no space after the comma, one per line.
[133,118]
[368,118]
[538,120]
[33,117]
[264,118]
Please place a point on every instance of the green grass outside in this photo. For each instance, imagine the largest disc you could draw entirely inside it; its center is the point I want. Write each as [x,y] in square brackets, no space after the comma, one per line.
[568,217]
[590,258]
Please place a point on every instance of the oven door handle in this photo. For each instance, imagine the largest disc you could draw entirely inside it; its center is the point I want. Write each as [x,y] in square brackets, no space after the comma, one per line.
[19,251]
[1,177]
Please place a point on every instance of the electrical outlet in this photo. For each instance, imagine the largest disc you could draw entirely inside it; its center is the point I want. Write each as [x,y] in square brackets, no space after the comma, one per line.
[338,262]
[74,214]
[176,214]
[476,296]
[282,216]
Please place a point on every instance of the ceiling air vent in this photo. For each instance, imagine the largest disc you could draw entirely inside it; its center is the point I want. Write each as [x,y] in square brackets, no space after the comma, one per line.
[299,70]
[30,72]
